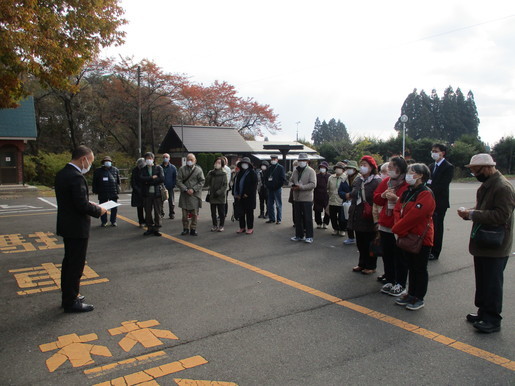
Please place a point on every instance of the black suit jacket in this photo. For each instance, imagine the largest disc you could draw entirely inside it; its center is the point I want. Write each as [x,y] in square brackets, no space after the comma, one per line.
[440,182]
[73,206]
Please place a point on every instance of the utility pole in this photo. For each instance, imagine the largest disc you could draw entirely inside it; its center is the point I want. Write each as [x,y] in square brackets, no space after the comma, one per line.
[139,111]
[404,119]
[297,130]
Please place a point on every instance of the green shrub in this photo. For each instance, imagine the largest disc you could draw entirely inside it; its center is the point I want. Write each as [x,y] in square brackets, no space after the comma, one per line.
[29,169]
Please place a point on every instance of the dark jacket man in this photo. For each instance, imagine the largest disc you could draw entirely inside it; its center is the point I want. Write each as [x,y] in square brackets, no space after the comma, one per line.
[106,183]
[73,224]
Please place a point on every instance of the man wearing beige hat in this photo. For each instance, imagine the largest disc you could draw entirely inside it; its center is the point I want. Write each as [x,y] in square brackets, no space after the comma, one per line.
[490,240]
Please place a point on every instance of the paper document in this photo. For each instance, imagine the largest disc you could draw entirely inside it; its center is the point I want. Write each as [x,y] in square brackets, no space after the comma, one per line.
[109,205]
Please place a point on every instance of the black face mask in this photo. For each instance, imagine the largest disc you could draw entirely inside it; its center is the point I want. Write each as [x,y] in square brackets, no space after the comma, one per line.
[481,177]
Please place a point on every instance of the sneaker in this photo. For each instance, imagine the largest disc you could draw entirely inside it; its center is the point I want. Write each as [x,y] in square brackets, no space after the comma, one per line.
[324,226]
[269,222]
[415,304]
[278,223]
[397,290]
[185,232]
[335,233]
[241,230]
[295,238]
[349,242]
[308,240]
[404,300]
[103,225]
[214,229]
[387,288]
[221,229]
[319,226]
[114,224]
[193,232]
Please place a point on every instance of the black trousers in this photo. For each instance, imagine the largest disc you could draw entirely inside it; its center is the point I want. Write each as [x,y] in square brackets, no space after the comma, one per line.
[221,214]
[171,202]
[318,217]
[489,273]
[114,211]
[71,271]
[363,240]
[246,218]
[141,215]
[153,209]
[303,218]
[418,276]
[438,218]
[263,200]
[337,217]
[395,268]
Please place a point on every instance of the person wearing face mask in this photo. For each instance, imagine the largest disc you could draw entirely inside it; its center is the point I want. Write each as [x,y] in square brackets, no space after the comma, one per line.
[413,214]
[170,172]
[228,172]
[244,191]
[106,183]
[321,196]
[262,190]
[442,172]
[274,180]
[344,190]
[336,212]
[386,196]
[152,176]
[137,191]
[190,181]
[74,212]
[216,181]
[493,213]
[303,182]
[362,196]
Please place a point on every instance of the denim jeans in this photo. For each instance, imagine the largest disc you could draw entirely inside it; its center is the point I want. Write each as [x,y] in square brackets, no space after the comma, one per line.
[275,201]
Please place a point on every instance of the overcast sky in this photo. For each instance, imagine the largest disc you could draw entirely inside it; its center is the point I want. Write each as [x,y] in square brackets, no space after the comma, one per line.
[354,61]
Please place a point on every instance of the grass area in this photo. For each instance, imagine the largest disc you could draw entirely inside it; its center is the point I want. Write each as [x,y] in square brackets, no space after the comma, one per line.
[45,191]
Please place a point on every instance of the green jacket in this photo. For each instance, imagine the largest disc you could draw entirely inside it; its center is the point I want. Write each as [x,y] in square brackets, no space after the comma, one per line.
[216,180]
[195,182]
[495,201]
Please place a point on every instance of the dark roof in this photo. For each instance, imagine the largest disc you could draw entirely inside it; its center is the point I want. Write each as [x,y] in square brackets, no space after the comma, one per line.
[20,122]
[204,139]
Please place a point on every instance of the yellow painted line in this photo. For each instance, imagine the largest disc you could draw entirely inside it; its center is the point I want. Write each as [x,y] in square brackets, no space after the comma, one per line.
[136,361]
[28,214]
[463,347]
[156,372]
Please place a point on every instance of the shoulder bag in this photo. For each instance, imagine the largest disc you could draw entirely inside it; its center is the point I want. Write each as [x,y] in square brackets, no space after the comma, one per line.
[367,208]
[412,243]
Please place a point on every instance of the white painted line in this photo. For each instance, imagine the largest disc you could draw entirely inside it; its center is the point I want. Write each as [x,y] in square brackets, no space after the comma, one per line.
[48,202]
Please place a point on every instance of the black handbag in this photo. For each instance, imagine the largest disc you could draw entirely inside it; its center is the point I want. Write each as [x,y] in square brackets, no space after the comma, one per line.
[488,236]
[208,197]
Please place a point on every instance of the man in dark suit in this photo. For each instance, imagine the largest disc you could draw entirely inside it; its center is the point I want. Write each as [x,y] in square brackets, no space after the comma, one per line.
[442,172]
[73,223]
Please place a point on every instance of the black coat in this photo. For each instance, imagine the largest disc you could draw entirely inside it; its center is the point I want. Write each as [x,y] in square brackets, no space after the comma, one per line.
[147,180]
[73,206]
[249,189]
[440,182]
[137,188]
[106,183]
[277,175]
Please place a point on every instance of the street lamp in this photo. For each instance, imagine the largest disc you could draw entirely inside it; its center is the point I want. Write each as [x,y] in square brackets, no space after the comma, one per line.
[404,119]
[297,123]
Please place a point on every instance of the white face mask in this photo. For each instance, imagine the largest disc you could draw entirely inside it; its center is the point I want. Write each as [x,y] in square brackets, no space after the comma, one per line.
[166,160]
[338,171]
[189,163]
[244,166]
[303,164]
[410,179]
[85,170]
[323,170]
[364,169]
[263,167]
[392,174]
[435,156]
[273,162]
[107,164]
[350,172]
[218,166]
[149,162]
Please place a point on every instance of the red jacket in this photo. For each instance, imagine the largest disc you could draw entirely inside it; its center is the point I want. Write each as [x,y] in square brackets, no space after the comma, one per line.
[384,219]
[413,212]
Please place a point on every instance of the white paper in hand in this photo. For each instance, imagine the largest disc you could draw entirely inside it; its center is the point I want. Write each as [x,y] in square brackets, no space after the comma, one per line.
[109,205]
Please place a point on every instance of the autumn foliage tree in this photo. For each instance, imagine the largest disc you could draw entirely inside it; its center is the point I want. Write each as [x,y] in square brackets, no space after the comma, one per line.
[52,40]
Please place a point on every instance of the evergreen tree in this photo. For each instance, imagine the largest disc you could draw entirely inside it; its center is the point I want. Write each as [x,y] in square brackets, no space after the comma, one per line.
[471,120]
[334,131]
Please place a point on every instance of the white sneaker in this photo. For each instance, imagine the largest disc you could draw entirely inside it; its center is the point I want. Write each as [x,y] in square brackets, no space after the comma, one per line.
[387,288]
[350,241]
[295,238]
[397,290]
[308,240]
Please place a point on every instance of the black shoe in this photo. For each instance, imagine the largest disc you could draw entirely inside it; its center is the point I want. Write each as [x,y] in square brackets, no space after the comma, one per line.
[381,278]
[185,232]
[80,298]
[193,232]
[486,327]
[432,257]
[148,233]
[78,306]
[172,217]
[157,233]
[269,222]
[472,318]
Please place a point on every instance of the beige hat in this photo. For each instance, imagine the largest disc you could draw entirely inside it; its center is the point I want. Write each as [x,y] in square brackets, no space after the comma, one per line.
[481,159]
[303,157]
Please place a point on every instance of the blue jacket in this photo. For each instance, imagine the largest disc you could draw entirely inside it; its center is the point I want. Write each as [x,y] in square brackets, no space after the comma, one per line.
[343,189]
[170,175]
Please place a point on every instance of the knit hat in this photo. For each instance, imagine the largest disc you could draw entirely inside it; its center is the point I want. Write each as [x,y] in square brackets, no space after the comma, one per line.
[352,165]
[481,159]
[303,157]
[370,160]
[323,164]
[340,165]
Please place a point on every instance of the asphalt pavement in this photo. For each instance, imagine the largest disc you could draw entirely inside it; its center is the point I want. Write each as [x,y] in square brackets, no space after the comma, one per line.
[236,309]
